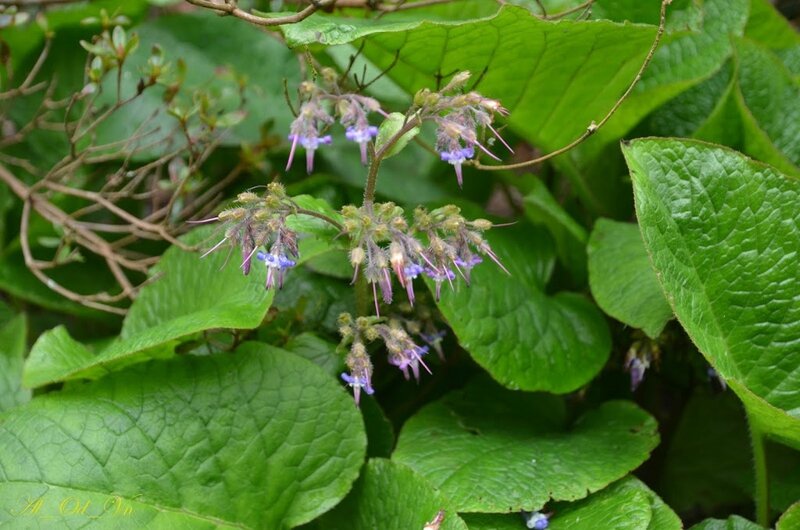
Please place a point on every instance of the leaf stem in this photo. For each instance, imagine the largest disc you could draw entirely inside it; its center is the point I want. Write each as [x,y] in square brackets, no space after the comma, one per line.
[762,479]
[333,222]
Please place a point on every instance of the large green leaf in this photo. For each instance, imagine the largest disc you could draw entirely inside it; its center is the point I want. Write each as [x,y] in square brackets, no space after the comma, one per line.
[622,279]
[722,232]
[191,296]
[258,439]
[555,77]
[391,495]
[12,352]
[493,450]
[625,505]
[524,337]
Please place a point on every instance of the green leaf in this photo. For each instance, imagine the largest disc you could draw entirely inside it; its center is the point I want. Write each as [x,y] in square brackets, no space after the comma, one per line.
[722,232]
[390,127]
[769,99]
[790,520]
[391,495]
[677,65]
[770,28]
[622,279]
[192,295]
[570,237]
[493,450]
[13,344]
[317,350]
[625,505]
[734,522]
[555,77]
[259,439]
[524,337]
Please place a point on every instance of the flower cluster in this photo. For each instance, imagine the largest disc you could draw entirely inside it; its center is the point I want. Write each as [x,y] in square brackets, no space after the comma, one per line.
[403,351]
[461,119]
[320,108]
[257,225]
[438,244]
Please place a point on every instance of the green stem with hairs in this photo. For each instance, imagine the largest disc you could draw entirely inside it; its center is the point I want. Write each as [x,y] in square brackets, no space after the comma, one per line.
[377,158]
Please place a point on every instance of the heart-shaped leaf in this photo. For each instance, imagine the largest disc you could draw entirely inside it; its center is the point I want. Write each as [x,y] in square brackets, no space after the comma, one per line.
[493,450]
[524,337]
[723,234]
[257,439]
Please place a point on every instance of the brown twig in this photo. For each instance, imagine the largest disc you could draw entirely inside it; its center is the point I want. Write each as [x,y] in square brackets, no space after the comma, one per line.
[229,7]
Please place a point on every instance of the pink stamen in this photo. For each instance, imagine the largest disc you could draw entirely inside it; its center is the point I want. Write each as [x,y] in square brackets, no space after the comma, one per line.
[291,151]
[215,247]
[201,221]
[500,138]
[487,151]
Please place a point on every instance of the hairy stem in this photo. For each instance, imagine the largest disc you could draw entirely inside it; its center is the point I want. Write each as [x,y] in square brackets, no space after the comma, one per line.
[380,154]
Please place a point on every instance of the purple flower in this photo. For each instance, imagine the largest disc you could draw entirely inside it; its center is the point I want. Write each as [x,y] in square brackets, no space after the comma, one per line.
[440,276]
[361,134]
[469,263]
[275,262]
[276,265]
[456,157]
[412,270]
[434,339]
[410,358]
[637,367]
[310,143]
[536,520]
[357,382]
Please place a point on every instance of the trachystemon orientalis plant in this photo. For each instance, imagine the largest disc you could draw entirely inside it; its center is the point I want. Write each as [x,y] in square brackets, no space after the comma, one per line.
[387,245]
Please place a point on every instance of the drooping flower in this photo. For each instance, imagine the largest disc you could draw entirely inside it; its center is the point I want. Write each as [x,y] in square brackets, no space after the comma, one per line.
[307,130]
[637,366]
[456,157]
[276,265]
[360,376]
[439,276]
[361,134]
[409,358]
[358,382]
